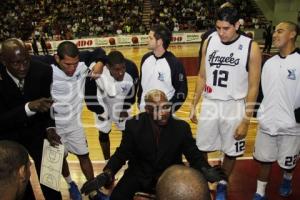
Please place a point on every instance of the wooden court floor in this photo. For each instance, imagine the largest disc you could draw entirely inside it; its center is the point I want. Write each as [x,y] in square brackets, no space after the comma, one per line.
[135,54]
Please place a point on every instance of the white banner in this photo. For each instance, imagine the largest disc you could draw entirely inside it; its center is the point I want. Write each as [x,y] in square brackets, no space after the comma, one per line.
[125,40]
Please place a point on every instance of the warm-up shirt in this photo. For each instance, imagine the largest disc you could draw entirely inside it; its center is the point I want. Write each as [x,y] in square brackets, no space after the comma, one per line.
[165,73]
[280,81]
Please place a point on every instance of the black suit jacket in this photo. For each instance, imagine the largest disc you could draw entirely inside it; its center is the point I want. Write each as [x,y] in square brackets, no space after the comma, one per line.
[147,159]
[15,124]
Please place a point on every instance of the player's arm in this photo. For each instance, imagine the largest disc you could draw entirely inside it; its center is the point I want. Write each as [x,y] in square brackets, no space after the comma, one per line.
[200,85]
[179,82]
[95,60]
[130,98]
[253,88]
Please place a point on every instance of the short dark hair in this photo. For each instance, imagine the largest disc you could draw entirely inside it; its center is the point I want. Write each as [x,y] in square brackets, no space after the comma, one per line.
[115,57]
[12,157]
[9,44]
[229,14]
[293,27]
[67,48]
[162,32]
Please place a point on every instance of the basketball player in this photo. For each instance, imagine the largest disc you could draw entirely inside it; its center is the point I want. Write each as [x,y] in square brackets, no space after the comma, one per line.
[160,69]
[213,31]
[115,108]
[229,77]
[68,93]
[278,137]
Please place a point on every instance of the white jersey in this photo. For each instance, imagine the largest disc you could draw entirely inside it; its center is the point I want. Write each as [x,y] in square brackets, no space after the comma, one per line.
[280,81]
[68,93]
[113,104]
[226,68]
[156,74]
[106,84]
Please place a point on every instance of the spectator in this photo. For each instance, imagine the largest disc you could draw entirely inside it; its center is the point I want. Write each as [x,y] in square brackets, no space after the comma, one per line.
[44,45]
[268,37]
[34,46]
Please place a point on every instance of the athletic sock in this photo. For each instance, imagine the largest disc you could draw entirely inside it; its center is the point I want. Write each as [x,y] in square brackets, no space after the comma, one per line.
[261,188]
[287,176]
[223,182]
[68,180]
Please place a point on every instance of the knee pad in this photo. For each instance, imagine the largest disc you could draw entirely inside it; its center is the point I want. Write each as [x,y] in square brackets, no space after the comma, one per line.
[103,137]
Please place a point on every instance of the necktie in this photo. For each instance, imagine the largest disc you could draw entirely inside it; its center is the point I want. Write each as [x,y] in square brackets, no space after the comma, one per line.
[21,85]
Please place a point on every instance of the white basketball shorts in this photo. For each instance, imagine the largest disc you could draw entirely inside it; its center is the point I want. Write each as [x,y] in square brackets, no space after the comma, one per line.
[281,148]
[217,124]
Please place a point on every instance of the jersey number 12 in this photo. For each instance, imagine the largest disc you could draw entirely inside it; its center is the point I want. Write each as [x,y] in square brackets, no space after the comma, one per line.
[220,78]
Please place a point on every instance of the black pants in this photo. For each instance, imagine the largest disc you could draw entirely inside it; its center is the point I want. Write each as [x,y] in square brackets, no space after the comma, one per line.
[128,185]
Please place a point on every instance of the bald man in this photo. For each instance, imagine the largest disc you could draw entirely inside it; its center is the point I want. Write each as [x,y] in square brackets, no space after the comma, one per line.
[24,104]
[152,141]
[180,182]
[278,136]
[14,170]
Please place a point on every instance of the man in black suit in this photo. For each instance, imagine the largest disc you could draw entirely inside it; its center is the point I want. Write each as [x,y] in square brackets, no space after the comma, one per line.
[152,141]
[25,104]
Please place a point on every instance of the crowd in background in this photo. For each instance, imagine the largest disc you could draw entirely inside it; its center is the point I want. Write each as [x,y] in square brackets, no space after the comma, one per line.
[69,19]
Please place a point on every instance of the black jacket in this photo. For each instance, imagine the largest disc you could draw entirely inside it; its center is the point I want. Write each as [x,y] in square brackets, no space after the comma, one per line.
[147,159]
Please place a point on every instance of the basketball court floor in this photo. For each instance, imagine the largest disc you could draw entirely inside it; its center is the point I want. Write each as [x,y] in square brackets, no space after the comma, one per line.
[244,176]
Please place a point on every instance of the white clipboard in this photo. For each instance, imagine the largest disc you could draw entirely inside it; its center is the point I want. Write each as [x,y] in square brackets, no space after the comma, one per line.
[51,166]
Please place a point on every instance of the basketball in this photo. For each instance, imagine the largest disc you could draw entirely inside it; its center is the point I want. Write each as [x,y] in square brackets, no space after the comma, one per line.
[112,41]
[135,40]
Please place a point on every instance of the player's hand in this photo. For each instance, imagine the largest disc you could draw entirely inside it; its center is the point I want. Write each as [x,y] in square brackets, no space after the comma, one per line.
[214,174]
[193,115]
[96,183]
[53,137]
[241,130]
[40,105]
[96,70]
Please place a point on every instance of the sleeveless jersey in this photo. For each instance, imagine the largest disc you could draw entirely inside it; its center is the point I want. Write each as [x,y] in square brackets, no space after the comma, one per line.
[226,68]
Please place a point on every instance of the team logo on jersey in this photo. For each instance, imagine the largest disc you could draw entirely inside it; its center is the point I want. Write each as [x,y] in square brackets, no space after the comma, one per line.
[292,74]
[218,61]
[240,47]
[78,76]
[161,76]
[124,89]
